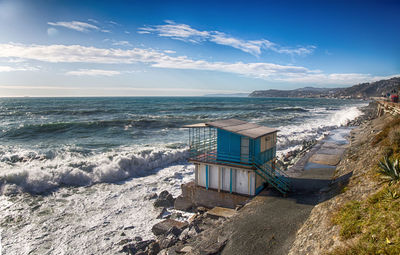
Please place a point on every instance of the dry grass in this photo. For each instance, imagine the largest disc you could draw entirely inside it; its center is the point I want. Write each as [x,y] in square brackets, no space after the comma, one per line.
[375,222]
[372,225]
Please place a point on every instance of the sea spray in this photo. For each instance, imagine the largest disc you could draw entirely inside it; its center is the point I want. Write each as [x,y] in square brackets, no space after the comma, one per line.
[37,176]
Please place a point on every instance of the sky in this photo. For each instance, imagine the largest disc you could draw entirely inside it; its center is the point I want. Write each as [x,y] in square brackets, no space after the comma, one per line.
[192,48]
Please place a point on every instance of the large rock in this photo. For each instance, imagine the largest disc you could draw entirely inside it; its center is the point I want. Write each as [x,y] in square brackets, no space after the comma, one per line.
[164,200]
[182,204]
[168,241]
[153,248]
[164,226]
[134,248]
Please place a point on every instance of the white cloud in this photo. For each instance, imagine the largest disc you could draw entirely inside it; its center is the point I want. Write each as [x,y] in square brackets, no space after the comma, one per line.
[13,69]
[51,31]
[176,31]
[121,43]
[83,54]
[169,51]
[93,72]
[114,23]
[184,32]
[76,25]
[93,21]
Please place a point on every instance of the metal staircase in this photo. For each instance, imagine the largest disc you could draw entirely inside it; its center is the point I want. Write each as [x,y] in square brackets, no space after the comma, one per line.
[275,177]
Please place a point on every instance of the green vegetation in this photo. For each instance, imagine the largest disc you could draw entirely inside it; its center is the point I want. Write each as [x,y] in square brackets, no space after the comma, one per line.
[389,169]
[375,222]
[389,138]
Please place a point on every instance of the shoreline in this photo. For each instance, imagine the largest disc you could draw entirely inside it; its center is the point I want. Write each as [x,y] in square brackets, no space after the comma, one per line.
[130,233]
[207,229]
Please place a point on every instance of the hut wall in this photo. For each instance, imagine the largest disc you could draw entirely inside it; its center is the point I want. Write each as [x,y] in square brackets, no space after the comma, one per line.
[243,181]
[213,177]
[228,146]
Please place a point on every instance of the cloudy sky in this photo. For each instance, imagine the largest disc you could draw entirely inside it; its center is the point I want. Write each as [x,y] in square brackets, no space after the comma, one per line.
[157,48]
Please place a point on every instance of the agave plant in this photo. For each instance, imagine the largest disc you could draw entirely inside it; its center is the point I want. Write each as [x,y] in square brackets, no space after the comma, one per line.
[390,169]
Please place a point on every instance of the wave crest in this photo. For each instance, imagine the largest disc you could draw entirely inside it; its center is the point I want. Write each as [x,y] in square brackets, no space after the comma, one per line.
[42,176]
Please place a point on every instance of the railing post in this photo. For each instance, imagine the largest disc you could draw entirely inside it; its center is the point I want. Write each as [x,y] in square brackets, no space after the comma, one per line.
[230,182]
[207,177]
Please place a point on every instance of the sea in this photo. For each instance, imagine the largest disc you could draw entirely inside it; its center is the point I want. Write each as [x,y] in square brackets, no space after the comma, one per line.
[76,173]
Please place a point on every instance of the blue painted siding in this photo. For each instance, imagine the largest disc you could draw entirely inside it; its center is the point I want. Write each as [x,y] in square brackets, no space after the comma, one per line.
[257,146]
[228,146]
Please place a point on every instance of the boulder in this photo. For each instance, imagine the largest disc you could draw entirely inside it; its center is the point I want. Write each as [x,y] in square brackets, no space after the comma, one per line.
[182,204]
[153,248]
[168,241]
[174,231]
[165,225]
[164,200]
[135,248]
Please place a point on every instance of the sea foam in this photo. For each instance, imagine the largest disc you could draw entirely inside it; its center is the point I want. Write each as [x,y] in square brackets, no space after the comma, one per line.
[66,168]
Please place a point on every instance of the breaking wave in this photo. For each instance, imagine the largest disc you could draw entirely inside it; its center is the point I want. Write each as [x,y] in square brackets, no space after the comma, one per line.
[34,173]
[294,135]
[290,109]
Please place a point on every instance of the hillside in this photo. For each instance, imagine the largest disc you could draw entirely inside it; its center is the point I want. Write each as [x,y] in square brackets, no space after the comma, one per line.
[363,90]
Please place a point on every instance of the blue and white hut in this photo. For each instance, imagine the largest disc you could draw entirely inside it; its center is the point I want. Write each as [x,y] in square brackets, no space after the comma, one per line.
[235,156]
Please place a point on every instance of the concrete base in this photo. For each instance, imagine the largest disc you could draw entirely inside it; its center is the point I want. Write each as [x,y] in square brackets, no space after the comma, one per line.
[218,212]
[199,196]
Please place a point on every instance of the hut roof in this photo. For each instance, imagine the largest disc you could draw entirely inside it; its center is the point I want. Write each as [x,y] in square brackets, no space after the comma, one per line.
[238,126]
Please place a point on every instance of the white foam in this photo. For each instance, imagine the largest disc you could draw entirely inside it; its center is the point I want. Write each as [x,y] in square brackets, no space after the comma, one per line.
[73,169]
[87,220]
[291,136]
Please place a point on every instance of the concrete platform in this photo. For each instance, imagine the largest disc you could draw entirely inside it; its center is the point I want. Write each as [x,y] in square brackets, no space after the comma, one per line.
[218,212]
[326,159]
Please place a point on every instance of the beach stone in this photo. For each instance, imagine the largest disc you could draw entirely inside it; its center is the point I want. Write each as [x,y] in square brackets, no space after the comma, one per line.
[153,248]
[165,225]
[162,213]
[176,215]
[167,241]
[174,231]
[165,199]
[151,196]
[184,235]
[124,241]
[129,227]
[135,248]
[186,249]
[182,204]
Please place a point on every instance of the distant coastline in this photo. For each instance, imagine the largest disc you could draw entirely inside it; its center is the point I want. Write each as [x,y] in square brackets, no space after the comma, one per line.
[360,91]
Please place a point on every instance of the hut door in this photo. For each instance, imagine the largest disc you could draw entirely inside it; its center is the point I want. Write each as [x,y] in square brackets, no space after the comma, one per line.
[244,149]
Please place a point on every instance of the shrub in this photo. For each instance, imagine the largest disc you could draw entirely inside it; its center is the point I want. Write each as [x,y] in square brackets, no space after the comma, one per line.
[389,169]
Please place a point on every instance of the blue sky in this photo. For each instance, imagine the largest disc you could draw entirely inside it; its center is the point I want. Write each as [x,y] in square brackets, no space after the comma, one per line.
[185,48]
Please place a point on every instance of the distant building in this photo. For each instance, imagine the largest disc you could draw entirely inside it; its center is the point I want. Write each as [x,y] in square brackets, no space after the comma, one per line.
[235,156]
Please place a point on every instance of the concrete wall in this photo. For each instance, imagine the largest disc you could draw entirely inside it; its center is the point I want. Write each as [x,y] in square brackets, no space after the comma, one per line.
[199,196]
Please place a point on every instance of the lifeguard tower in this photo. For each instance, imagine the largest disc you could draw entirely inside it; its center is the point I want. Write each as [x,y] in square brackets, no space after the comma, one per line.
[235,156]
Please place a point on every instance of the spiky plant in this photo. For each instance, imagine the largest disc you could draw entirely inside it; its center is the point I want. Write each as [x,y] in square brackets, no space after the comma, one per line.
[390,169]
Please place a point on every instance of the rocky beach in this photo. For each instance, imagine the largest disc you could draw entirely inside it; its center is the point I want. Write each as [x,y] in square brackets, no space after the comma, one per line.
[269,223]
